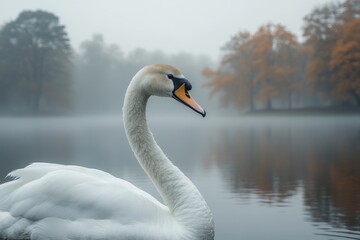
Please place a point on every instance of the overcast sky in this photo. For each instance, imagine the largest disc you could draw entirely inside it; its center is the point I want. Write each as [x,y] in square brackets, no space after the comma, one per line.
[194,26]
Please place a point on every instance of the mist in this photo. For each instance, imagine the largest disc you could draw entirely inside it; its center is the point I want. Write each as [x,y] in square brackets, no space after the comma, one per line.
[103,72]
[277,155]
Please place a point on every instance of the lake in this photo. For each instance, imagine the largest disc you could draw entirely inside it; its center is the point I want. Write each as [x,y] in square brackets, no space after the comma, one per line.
[263,177]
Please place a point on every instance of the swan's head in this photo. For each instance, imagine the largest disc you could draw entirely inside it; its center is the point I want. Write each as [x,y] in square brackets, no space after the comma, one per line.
[167,81]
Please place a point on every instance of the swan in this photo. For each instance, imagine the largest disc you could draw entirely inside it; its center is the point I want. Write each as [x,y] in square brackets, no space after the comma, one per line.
[53,201]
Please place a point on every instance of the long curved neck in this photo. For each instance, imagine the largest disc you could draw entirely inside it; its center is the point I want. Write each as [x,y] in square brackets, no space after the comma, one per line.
[178,192]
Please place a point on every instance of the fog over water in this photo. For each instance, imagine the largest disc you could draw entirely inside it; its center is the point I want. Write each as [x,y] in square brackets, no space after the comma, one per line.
[293,178]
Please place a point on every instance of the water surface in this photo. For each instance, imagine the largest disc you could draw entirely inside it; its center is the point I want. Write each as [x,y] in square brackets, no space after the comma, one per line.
[263,178]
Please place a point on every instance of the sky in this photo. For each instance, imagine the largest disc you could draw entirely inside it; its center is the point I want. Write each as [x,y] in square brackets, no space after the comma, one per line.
[200,27]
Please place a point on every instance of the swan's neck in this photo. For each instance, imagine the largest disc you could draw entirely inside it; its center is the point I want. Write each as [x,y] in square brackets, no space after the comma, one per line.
[179,194]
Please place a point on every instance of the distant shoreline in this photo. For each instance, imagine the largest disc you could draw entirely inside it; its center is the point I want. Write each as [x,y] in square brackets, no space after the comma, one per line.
[327,111]
[323,111]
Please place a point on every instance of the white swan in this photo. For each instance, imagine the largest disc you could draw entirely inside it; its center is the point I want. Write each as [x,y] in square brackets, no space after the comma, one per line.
[51,201]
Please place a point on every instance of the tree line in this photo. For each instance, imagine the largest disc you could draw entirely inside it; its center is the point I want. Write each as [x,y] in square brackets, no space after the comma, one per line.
[103,72]
[41,74]
[272,69]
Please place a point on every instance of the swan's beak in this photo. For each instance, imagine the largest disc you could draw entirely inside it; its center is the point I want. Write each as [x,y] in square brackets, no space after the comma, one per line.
[183,96]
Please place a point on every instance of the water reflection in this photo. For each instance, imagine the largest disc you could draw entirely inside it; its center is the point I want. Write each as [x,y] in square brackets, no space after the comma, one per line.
[97,142]
[257,161]
[22,143]
[296,178]
[274,161]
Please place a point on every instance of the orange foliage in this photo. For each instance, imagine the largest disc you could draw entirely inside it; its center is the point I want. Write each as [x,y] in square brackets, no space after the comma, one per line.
[345,60]
[231,77]
[270,64]
[333,42]
[258,67]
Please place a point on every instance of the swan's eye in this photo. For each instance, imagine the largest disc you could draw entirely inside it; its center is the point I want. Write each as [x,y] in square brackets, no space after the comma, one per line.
[170,76]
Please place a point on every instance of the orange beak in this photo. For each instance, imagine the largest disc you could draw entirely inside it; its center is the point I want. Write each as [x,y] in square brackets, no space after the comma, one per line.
[182,95]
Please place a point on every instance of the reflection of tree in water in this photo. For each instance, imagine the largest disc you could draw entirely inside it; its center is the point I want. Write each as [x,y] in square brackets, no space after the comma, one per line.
[258,161]
[332,180]
[274,161]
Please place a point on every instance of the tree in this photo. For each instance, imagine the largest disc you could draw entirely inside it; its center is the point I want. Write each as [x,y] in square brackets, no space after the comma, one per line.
[35,65]
[324,32]
[277,63]
[235,76]
[100,82]
[345,62]
[287,63]
[259,67]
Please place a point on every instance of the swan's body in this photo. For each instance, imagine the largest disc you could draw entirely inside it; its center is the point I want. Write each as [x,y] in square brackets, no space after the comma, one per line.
[51,201]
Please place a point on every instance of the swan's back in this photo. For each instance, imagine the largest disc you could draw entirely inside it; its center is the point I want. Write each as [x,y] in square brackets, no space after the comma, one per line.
[45,198]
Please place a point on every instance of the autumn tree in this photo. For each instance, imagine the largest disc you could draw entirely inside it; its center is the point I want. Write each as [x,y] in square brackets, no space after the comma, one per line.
[345,62]
[235,76]
[35,62]
[257,68]
[330,56]
[276,60]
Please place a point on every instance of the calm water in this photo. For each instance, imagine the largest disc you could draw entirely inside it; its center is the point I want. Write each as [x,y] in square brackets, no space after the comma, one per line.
[269,178]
